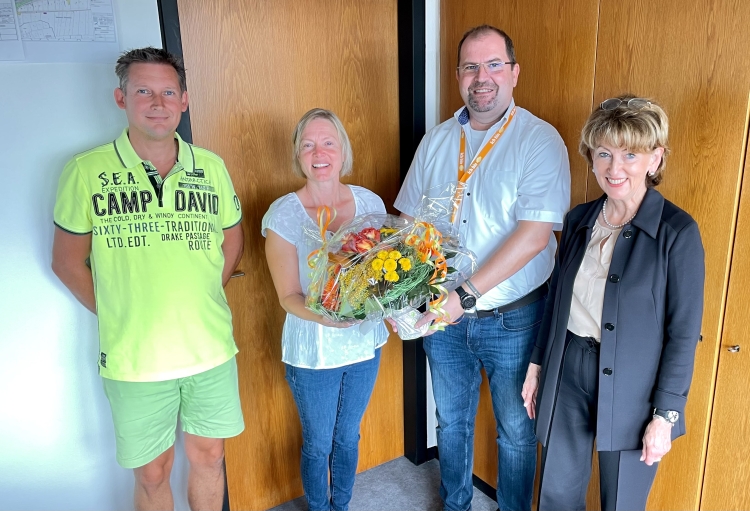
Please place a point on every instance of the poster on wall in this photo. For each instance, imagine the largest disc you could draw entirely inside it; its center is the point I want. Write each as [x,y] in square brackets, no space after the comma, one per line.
[62,30]
[11,47]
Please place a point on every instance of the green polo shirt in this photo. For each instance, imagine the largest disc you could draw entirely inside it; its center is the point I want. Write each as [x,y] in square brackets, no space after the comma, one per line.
[156,257]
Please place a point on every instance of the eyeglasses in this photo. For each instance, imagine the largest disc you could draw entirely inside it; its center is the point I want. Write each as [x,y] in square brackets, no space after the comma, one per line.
[633,103]
[494,67]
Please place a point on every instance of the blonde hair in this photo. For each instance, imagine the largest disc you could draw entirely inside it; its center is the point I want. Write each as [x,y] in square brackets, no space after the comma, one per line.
[638,130]
[346,146]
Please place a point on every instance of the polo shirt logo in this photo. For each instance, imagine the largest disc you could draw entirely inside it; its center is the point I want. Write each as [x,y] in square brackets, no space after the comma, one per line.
[196,173]
[117,179]
[200,202]
[103,359]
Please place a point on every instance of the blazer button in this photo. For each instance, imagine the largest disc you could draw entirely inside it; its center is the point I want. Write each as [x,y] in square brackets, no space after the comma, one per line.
[609,326]
[607,371]
[627,234]
[614,278]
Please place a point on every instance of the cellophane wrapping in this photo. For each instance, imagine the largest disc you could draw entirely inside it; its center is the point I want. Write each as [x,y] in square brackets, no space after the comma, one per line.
[380,266]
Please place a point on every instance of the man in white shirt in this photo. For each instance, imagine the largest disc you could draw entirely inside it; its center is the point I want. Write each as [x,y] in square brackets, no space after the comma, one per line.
[517,190]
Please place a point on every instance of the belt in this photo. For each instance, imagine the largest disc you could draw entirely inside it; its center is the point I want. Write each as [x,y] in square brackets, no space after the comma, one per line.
[528,299]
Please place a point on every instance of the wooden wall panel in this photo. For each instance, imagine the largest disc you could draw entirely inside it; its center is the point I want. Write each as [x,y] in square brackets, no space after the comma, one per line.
[691,55]
[726,482]
[254,67]
[555,42]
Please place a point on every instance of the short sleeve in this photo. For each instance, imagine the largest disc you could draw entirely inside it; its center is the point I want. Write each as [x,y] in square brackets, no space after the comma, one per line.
[282,219]
[72,206]
[544,187]
[231,209]
[411,191]
[367,201]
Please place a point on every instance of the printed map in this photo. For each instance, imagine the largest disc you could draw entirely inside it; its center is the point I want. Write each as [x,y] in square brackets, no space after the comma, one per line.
[66,20]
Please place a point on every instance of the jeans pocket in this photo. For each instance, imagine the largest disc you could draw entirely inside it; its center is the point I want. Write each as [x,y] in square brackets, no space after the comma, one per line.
[524,318]
[290,374]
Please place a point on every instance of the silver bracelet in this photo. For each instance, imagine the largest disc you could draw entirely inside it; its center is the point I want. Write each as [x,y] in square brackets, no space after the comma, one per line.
[473,289]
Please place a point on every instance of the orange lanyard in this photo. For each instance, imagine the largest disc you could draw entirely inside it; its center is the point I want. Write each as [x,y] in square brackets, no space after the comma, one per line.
[465,174]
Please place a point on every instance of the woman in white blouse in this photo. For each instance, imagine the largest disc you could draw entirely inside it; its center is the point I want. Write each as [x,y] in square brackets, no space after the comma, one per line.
[331,368]
[614,357]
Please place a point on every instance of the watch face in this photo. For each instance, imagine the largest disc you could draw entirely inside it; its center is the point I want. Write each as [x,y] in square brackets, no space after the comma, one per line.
[670,416]
[468,301]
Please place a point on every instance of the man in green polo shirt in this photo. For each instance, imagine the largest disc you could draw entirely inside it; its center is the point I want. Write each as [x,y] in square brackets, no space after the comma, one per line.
[147,234]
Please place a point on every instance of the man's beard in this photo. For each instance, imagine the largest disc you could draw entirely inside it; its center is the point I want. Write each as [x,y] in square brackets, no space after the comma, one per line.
[486,107]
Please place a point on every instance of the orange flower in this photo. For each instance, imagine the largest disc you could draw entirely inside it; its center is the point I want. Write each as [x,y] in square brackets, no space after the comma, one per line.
[348,243]
[364,244]
[371,233]
[330,298]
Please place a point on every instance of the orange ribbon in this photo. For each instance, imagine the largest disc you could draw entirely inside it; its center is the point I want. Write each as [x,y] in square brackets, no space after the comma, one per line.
[428,246]
[324,220]
[464,175]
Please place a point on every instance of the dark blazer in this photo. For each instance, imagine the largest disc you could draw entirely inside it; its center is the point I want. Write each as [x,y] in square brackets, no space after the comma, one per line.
[651,320]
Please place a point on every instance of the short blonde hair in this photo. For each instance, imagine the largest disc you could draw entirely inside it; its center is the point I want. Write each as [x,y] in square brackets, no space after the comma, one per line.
[638,130]
[346,146]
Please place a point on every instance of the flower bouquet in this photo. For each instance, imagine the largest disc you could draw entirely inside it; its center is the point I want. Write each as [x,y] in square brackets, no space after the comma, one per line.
[380,266]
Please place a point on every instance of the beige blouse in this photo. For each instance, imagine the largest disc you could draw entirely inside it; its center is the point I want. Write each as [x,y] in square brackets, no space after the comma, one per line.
[588,289]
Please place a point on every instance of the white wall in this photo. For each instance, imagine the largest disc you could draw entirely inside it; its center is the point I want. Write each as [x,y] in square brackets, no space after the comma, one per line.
[57,448]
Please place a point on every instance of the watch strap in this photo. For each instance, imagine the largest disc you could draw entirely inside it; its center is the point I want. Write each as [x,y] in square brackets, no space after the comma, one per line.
[461,292]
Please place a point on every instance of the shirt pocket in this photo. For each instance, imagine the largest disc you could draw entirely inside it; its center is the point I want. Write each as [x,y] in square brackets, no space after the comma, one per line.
[497,192]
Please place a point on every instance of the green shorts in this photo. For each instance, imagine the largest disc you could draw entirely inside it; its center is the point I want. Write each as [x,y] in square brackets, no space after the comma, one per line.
[145,413]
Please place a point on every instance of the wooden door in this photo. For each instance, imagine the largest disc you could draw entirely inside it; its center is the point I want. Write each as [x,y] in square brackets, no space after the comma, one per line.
[254,67]
[726,483]
[691,55]
[555,42]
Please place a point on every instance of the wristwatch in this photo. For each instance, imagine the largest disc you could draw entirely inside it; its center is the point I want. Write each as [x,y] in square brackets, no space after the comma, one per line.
[467,301]
[670,416]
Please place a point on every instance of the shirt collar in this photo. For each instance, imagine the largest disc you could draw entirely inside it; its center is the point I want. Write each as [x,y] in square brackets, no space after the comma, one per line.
[647,219]
[462,114]
[129,158]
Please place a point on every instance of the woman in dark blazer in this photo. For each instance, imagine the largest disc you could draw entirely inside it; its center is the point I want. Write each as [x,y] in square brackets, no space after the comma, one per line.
[615,352]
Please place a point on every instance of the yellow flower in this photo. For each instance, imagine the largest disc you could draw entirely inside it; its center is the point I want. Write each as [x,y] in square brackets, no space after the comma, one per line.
[391,276]
[405,263]
[383,254]
[394,254]
[387,230]
[377,264]
[376,274]
[390,265]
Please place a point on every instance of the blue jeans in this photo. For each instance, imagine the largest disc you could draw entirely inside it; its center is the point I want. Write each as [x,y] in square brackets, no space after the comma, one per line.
[502,344]
[331,403]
